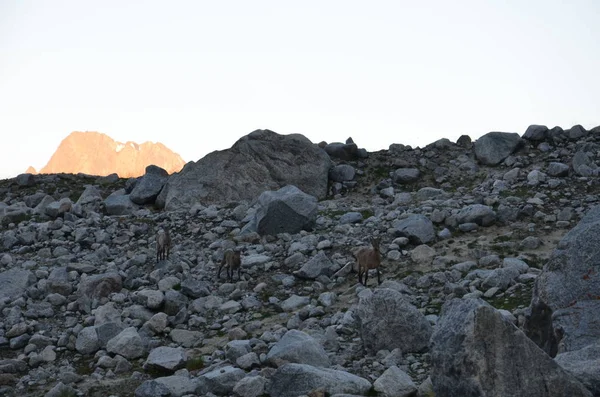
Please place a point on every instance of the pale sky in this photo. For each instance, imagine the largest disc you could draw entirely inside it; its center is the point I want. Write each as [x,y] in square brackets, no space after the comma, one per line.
[198,75]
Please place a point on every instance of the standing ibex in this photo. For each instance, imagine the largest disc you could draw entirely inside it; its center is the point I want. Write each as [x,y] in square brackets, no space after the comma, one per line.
[163,244]
[368,258]
[232,261]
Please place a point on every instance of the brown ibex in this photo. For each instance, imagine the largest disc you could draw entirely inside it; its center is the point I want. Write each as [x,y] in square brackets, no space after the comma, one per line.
[232,261]
[163,244]
[368,258]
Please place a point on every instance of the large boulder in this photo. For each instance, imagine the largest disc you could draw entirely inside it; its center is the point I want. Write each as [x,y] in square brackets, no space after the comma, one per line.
[476,351]
[93,288]
[564,314]
[565,306]
[262,160]
[536,132]
[149,186]
[477,213]
[494,147]
[403,326]
[584,165]
[292,380]
[297,347]
[287,210]
[118,203]
[584,364]
[14,282]
[417,228]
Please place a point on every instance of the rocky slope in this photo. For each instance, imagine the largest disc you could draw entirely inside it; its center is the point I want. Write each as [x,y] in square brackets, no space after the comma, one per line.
[94,153]
[466,230]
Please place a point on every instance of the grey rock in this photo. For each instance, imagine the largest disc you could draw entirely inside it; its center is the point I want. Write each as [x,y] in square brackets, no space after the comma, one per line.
[179,386]
[165,359]
[292,380]
[351,217]
[25,180]
[558,169]
[262,160]
[287,210]
[98,286]
[58,281]
[13,282]
[127,343]
[152,388]
[535,133]
[564,303]
[406,175]
[298,347]
[342,173]
[220,381]
[476,351]
[576,132]
[417,228]
[87,341]
[58,208]
[477,213]
[250,386]
[343,151]
[90,195]
[149,186]
[118,203]
[317,266]
[395,383]
[61,390]
[584,165]
[493,147]
[195,288]
[403,326]
[584,364]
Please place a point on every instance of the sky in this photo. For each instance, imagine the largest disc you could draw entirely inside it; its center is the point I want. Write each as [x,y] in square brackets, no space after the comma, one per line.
[199,75]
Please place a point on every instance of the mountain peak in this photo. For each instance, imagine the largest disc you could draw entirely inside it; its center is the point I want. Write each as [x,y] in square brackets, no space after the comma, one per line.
[96,153]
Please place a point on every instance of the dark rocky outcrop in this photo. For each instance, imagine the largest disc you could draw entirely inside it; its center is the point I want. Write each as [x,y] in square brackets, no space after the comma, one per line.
[476,351]
[262,160]
[494,147]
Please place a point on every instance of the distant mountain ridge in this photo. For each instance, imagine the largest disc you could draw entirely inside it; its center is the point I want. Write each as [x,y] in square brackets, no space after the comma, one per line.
[95,153]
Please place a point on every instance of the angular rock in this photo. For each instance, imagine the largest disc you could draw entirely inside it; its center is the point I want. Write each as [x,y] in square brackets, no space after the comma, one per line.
[343,151]
[417,228]
[179,386]
[558,169]
[476,351]
[395,383]
[97,286]
[342,173]
[219,381]
[13,282]
[127,343]
[298,347]
[493,147]
[317,266]
[584,364]
[165,359]
[403,326]
[118,203]
[149,186]
[535,133]
[287,210]
[406,175]
[565,306]
[291,380]
[477,213]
